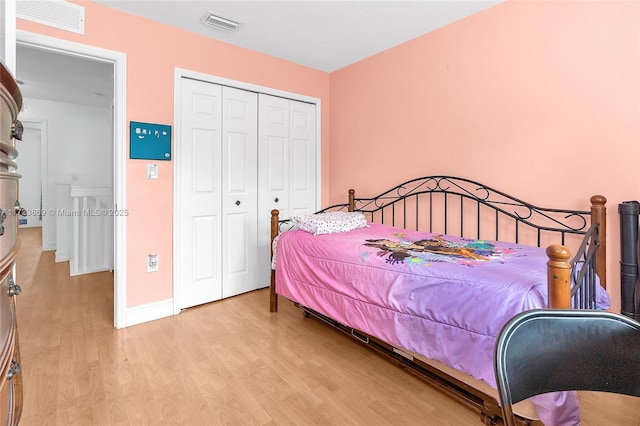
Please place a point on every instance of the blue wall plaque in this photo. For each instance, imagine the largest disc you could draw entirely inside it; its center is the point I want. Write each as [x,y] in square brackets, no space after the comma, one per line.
[149,141]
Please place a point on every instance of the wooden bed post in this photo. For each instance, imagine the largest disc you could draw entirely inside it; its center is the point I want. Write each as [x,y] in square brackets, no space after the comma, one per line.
[599,215]
[273,296]
[559,277]
[352,202]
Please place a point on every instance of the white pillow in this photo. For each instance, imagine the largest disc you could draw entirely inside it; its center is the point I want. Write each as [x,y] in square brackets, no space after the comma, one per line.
[329,223]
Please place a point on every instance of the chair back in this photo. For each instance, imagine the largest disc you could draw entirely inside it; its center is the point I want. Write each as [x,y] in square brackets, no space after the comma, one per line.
[549,350]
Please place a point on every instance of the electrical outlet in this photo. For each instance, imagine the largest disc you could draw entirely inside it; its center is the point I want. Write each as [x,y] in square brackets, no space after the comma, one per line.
[152,262]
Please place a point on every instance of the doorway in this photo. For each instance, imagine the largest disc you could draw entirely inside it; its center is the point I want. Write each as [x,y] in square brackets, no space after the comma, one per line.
[32,168]
[117,137]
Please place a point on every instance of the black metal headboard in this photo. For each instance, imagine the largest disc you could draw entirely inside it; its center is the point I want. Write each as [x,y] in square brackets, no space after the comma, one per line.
[457,201]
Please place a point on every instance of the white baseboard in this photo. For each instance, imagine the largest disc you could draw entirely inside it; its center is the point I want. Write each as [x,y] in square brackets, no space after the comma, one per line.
[90,270]
[62,256]
[149,312]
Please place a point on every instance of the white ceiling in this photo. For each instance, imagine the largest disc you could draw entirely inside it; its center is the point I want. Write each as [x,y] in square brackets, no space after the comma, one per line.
[321,34]
[62,78]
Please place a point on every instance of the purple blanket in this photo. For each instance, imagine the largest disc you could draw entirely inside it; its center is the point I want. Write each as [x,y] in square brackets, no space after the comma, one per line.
[444,297]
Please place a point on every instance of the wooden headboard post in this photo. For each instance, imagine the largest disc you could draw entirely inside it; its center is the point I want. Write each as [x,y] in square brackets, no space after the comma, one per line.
[599,215]
[352,201]
[273,296]
[559,277]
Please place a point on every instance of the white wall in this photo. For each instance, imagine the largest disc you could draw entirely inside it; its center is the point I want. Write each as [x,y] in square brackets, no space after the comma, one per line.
[79,144]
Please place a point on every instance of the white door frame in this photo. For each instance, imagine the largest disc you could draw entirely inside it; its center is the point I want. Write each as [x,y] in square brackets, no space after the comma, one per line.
[119,61]
[179,73]
[41,124]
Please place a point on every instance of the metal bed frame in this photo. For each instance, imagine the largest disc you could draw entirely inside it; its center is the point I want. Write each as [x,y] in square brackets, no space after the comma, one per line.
[459,206]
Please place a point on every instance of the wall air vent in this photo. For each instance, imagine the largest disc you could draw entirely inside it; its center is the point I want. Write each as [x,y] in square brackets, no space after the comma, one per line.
[54,13]
[211,20]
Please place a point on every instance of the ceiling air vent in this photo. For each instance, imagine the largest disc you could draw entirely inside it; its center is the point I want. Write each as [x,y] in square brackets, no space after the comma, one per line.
[220,23]
[54,13]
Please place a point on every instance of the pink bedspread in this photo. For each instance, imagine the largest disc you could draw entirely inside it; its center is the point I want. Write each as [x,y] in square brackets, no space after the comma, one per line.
[444,297]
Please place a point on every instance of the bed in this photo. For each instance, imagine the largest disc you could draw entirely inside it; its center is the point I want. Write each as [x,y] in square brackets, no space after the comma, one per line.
[429,271]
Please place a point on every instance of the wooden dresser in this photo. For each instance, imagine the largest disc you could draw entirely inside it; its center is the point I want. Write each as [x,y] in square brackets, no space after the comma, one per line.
[10,130]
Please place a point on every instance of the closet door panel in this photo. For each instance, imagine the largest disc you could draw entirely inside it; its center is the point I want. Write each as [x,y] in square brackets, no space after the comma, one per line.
[204,155]
[200,193]
[205,230]
[236,250]
[276,193]
[240,187]
[273,173]
[287,168]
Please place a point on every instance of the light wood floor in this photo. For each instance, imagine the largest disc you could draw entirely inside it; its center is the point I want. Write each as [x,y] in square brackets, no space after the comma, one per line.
[228,362]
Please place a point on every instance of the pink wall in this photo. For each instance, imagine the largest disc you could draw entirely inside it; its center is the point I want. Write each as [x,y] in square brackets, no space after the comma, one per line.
[520,97]
[153,50]
[539,99]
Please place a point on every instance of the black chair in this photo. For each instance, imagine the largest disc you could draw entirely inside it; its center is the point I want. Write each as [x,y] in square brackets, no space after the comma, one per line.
[547,350]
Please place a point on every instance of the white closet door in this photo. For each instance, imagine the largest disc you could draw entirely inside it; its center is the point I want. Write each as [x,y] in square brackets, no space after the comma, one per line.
[240,187]
[230,180]
[273,172]
[200,189]
[287,149]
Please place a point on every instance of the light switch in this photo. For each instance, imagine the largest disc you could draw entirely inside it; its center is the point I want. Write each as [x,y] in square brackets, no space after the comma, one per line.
[152,171]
